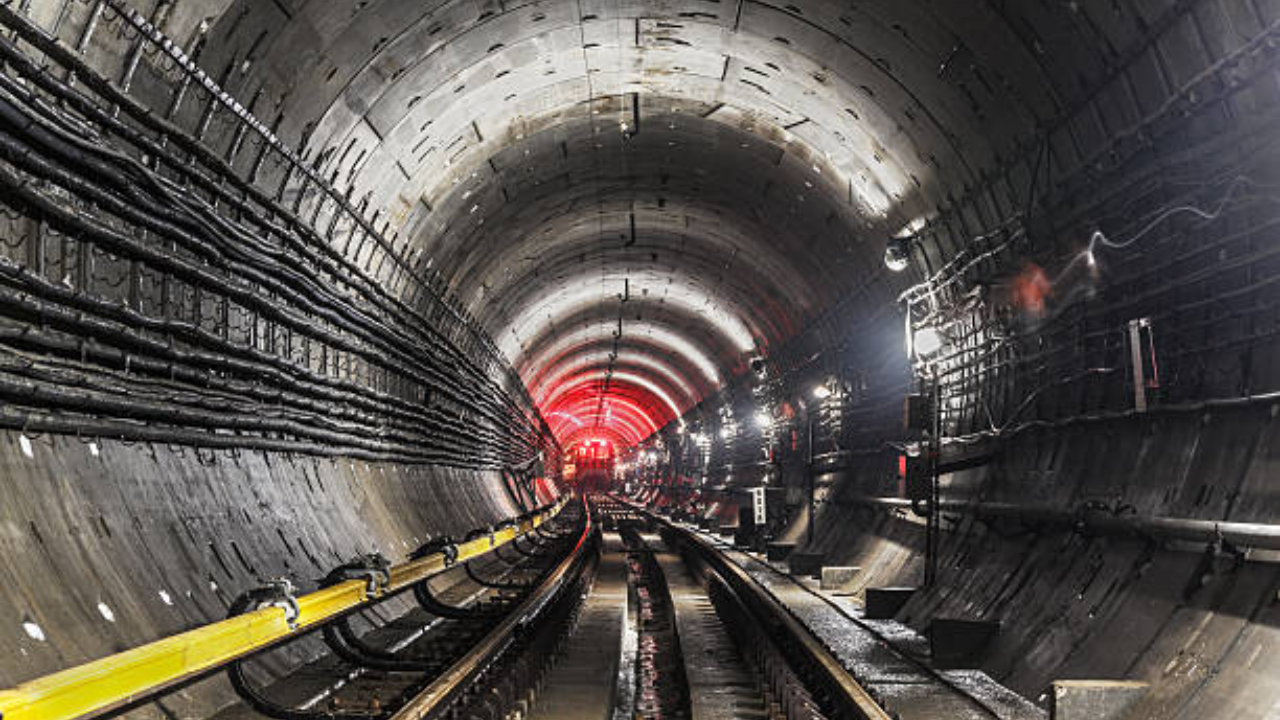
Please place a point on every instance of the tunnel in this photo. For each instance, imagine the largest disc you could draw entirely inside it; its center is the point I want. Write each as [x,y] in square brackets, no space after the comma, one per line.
[969,304]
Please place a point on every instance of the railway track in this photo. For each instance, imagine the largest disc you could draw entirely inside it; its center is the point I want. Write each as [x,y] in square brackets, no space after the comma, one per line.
[601,612]
[704,648]
[638,625]
[887,662]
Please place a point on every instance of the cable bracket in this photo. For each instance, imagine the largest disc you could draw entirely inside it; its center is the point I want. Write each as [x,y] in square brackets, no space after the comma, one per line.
[278,592]
[373,568]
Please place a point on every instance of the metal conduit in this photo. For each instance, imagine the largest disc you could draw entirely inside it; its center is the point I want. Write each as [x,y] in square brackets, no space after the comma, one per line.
[1104,522]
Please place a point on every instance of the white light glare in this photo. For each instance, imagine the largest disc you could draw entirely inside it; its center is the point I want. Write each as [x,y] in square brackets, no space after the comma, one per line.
[927,341]
[727,432]
[897,253]
[34,631]
[821,392]
[763,420]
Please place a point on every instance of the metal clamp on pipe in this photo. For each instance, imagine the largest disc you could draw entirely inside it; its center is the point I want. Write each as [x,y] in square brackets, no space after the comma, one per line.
[444,545]
[373,568]
[279,592]
[481,532]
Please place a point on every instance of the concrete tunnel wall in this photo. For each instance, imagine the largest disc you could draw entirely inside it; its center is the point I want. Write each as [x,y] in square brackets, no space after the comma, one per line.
[781,144]
[163,538]
[1200,626]
[1199,623]
[115,535]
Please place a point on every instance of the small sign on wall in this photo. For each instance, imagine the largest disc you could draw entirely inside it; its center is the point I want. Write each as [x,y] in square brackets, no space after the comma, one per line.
[758,506]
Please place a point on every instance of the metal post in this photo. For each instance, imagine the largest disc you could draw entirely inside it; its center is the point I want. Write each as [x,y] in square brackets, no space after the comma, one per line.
[813,511]
[933,523]
[1135,354]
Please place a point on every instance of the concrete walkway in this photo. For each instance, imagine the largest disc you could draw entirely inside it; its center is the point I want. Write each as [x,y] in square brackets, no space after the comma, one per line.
[581,685]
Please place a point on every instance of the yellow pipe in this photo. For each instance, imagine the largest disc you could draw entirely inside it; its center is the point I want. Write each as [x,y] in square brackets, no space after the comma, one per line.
[117,680]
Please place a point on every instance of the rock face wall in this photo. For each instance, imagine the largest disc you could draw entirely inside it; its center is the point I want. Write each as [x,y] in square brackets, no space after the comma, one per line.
[1201,627]
[106,545]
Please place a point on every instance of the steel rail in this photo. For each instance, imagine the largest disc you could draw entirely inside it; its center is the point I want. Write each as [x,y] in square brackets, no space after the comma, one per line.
[119,680]
[847,692]
[434,700]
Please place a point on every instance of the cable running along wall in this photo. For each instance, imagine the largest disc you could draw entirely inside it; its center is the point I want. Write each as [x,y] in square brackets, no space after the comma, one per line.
[170,272]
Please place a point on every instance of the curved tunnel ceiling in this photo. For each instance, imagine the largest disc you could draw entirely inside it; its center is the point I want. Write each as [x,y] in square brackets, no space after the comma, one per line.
[635,199]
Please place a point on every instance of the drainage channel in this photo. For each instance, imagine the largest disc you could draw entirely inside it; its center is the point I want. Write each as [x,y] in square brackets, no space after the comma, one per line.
[662,687]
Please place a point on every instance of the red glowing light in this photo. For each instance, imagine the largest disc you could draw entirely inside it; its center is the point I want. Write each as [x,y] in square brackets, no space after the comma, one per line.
[1030,288]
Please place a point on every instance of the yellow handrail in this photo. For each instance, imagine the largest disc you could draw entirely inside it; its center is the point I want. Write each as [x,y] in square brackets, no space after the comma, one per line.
[117,680]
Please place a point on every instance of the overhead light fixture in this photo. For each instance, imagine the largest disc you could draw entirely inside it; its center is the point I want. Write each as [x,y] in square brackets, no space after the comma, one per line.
[821,392]
[928,341]
[897,253]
